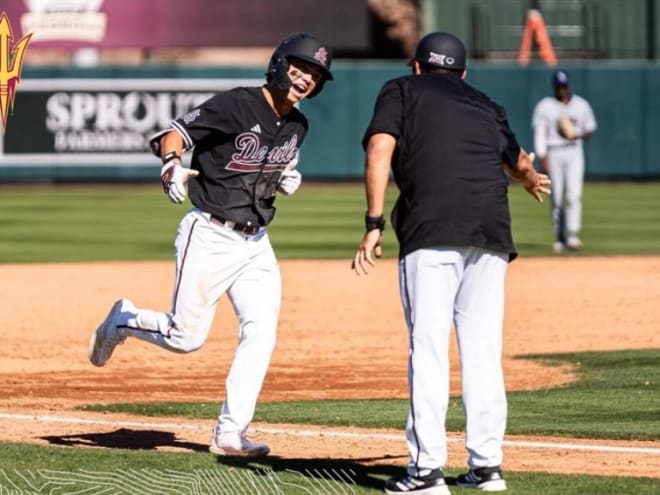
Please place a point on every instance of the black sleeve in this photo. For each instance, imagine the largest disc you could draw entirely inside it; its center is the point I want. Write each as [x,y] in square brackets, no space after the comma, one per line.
[510,146]
[215,115]
[388,112]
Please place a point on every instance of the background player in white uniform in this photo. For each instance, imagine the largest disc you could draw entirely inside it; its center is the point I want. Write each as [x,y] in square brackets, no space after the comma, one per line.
[559,147]
[446,142]
[245,142]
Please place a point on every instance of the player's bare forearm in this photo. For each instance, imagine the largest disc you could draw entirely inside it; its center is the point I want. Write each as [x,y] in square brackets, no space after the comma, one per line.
[521,171]
[171,142]
[380,149]
[378,162]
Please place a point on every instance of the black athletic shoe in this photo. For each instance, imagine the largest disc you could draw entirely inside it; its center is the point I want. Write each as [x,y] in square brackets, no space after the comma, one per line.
[431,484]
[488,479]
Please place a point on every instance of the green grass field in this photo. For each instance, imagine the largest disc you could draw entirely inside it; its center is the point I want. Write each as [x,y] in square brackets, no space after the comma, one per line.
[113,222]
[121,471]
[615,398]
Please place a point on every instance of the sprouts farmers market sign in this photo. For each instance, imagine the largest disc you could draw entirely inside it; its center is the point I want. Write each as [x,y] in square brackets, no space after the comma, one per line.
[99,121]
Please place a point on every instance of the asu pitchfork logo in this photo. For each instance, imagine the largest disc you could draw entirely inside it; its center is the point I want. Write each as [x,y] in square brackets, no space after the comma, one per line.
[11,60]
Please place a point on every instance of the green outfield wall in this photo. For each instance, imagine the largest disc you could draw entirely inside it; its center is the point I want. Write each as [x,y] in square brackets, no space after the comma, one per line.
[605,29]
[93,124]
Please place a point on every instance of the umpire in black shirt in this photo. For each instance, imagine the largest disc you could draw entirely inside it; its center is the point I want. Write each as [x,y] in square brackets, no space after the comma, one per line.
[452,153]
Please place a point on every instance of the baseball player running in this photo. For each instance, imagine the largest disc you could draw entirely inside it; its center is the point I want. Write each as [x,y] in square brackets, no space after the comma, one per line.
[245,142]
[561,124]
[446,142]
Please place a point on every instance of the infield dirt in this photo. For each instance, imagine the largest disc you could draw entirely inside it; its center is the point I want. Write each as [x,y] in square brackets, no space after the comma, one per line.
[340,336]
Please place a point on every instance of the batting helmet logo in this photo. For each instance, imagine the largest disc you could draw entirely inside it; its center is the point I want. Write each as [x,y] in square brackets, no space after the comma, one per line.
[321,56]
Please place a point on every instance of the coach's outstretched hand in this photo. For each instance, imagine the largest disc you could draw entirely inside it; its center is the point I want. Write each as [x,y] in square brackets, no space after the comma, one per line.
[534,182]
[369,247]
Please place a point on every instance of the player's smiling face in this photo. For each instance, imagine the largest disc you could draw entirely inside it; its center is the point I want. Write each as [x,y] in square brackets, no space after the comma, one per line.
[304,79]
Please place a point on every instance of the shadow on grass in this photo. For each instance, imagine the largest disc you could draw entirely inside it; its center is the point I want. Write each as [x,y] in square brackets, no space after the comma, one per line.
[368,472]
[124,438]
[360,472]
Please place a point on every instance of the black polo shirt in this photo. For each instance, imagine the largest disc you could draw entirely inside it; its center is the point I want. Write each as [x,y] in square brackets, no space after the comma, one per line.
[451,143]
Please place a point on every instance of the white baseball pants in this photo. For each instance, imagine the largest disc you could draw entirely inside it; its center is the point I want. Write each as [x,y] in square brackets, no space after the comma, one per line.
[212,259]
[463,285]
[566,172]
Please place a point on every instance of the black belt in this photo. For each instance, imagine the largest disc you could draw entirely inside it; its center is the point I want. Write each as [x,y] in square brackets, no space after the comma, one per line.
[245,228]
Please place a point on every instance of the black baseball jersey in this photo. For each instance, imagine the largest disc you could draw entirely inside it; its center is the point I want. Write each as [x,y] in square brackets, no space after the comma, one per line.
[241,146]
[451,143]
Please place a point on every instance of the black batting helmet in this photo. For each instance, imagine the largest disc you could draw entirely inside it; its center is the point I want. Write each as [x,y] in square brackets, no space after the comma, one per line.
[305,47]
[441,50]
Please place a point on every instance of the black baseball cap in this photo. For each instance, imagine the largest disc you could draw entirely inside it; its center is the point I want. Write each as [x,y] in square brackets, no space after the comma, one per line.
[441,49]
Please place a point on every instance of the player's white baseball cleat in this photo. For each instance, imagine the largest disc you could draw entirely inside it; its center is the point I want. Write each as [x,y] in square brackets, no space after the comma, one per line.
[558,246]
[108,335]
[233,443]
[574,243]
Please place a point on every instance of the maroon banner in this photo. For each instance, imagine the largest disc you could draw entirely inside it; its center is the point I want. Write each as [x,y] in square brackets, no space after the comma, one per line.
[343,24]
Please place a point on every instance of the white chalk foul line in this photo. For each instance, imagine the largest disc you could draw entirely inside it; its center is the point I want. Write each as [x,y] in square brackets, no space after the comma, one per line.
[321,433]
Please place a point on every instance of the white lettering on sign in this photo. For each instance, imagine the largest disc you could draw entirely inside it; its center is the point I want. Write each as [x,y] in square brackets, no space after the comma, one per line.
[88,121]
[99,141]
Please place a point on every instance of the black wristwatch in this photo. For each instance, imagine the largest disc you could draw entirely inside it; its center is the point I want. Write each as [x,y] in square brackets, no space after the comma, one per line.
[373,223]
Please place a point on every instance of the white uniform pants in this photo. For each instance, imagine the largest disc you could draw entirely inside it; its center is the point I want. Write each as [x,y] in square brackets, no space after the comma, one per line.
[463,285]
[210,260]
[566,171]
